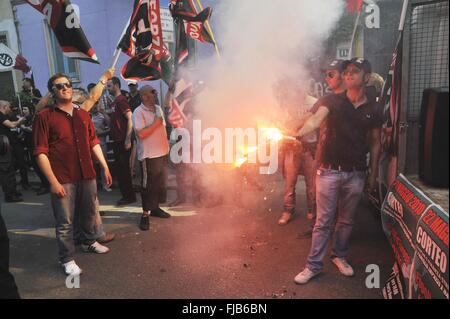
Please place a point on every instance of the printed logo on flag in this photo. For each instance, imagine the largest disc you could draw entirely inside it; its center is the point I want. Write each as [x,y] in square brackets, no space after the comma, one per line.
[6,60]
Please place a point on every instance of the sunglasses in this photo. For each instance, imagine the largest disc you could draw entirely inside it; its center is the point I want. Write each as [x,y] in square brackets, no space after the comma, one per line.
[61,86]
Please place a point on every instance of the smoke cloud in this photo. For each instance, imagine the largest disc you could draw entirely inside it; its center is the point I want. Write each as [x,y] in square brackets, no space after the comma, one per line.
[263,44]
[265,49]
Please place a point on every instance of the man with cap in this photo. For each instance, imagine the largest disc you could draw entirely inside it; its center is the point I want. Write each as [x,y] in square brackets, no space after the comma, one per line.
[135,98]
[333,76]
[298,159]
[353,126]
[333,72]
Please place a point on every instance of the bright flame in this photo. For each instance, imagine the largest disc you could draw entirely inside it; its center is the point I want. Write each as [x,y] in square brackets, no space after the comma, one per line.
[273,134]
[249,150]
[240,161]
[245,151]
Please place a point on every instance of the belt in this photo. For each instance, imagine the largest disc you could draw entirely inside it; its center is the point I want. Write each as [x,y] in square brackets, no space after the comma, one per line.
[343,168]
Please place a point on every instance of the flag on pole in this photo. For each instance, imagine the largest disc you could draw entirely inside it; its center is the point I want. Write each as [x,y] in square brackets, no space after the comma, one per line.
[190,24]
[354,6]
[11,60]
[65,23]
[391,100]
[143,42]
[194,22]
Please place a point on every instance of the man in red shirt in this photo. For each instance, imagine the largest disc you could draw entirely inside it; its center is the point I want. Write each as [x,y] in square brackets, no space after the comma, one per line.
[65,141]
[121,129]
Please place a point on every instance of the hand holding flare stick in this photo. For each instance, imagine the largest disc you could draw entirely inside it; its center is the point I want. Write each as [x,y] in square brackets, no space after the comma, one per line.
[275,134]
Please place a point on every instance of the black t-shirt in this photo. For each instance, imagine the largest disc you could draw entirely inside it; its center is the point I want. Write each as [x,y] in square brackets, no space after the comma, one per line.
[134,102]
[343,138]
[4,130]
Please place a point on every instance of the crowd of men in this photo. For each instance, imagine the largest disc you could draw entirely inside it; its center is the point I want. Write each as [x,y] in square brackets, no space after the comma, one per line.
[66,141]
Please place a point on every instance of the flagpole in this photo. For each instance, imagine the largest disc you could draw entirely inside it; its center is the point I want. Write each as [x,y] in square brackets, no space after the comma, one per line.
[20,104]
[355,28]
[403,16]
[115,58]
[116,54]
[200,6]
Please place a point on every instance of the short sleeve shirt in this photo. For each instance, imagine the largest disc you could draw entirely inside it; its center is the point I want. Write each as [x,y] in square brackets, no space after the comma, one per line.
[67,141]
[119,108]
[4,130]
[343,139]
[156,145]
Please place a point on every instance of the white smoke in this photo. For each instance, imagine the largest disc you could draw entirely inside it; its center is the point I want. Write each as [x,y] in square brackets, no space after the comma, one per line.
[261,42]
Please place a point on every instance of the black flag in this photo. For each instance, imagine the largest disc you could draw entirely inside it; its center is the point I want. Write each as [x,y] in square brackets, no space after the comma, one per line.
[143,42]
[391,100]
[63,20]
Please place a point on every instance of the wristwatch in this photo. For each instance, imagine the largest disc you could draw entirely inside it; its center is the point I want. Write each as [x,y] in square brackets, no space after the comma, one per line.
[103,82]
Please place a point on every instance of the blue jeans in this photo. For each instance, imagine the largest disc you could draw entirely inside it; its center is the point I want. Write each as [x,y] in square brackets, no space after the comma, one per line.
[335,191]
[295,163]
[76,215]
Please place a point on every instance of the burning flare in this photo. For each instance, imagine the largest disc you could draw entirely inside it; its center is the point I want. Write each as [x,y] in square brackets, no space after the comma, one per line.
[273,134]
[244,155]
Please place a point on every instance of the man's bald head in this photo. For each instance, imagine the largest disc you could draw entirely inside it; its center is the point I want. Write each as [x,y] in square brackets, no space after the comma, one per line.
[148,95]
[5,106]
[146,89]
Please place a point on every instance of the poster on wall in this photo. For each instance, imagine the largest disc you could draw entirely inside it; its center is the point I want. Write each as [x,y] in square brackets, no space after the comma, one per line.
[417,230]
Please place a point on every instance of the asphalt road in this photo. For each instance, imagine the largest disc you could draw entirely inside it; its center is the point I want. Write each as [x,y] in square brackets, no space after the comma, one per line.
[221,252]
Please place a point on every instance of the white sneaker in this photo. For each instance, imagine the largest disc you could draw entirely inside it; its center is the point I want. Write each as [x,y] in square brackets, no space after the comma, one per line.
[96,247]
[305,276]
[72,269]
[106,188]
[343,266]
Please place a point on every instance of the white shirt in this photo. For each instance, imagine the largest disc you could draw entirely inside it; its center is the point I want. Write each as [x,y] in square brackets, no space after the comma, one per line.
[156,145]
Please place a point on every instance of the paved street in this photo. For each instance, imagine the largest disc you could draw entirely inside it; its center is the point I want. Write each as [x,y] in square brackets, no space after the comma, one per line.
[221,252]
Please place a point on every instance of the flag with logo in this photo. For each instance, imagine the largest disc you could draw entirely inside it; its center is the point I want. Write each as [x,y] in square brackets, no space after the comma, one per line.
[65,23]
[190,25]
[143,42]
[11,60]
[194,22]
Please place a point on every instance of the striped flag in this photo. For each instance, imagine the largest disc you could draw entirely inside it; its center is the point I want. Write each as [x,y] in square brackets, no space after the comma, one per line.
[194,22]
[65,23]
[143,42]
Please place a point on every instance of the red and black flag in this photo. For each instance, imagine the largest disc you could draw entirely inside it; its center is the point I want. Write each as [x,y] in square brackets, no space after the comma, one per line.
[143,42]
[194,22]
[189,24]
[391,100]
[65,23]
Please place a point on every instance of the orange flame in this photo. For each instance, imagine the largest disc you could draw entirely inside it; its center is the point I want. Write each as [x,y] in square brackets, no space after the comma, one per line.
[272,133]
[244,158]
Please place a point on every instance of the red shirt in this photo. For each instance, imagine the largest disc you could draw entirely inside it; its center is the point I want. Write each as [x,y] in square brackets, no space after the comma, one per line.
[119,122]
[67,141]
